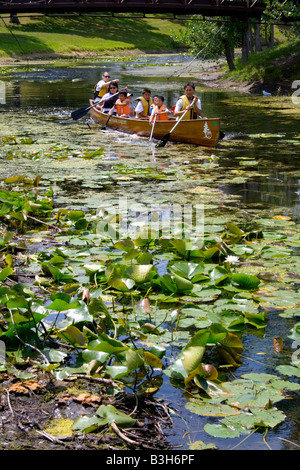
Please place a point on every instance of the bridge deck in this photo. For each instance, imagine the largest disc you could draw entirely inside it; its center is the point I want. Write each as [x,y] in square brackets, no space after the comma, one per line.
[235,8]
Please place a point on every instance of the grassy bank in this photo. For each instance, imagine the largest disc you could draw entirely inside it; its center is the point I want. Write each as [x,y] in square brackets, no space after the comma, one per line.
[85,35]
[278,63]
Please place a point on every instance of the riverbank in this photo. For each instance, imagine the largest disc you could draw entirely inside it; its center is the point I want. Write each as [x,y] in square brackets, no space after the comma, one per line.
[38,39]
[213,74]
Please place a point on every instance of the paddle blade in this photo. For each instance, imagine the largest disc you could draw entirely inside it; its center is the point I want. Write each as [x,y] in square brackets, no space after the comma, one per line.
[104,127]
[79,113]
[164,140]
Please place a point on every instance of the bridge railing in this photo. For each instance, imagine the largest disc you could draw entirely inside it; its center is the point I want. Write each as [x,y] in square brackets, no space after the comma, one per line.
[243,8]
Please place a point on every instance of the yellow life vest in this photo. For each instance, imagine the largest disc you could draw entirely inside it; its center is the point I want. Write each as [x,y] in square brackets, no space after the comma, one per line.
[146,105]
[100,93]
[186,103]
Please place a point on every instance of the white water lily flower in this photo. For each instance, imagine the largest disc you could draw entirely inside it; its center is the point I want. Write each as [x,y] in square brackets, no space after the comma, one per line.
[231,259]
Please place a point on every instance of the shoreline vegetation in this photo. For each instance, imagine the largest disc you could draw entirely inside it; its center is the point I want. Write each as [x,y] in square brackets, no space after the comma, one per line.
[44,38]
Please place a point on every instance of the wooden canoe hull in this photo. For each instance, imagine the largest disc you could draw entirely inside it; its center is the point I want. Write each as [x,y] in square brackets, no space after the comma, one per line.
[204,132]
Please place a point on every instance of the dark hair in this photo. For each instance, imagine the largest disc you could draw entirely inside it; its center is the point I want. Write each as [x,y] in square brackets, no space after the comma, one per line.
[146,90]
[123,92]
[115,84]
[191,84]
[160,97]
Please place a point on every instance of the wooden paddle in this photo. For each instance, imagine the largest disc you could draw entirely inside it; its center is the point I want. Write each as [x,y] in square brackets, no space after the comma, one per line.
[104,127]
[166,137]
[79,113]
[150,140]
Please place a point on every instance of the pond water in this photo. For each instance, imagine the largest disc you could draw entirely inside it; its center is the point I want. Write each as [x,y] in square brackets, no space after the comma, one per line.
[253,174]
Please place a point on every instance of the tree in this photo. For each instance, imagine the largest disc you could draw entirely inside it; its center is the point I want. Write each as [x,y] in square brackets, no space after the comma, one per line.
[210,39]
[287,11]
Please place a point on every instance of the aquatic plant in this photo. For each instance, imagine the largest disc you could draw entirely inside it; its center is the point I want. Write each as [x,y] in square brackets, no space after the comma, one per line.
[111,307]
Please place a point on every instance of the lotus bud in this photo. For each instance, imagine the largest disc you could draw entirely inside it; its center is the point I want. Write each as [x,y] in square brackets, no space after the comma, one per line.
[210,371]
[86,295]
[146,305]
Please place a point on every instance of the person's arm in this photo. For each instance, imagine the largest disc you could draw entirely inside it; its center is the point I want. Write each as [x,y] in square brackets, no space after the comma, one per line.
[107,84]
[151,119]
[179,111]
[112,110]
[166,111]
[197,107]
[178,108]
[140,110]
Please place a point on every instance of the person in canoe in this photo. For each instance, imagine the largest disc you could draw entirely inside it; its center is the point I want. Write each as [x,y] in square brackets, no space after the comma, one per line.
[101,88]
[122,106]
[108,100]
[153,103]
[160,110]
[185,103]
[142,109]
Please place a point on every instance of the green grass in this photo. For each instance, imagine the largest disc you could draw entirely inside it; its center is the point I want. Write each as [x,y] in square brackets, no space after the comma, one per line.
[271,64]
[66,36]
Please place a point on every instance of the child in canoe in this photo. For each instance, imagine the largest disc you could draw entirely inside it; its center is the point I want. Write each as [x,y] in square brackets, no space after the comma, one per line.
[122,106]
[160,110]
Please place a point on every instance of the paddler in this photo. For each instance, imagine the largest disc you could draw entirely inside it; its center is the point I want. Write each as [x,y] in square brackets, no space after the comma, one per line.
[101,88]
[185,103]
[123,105]
[160,110]
[142,109]
[109,99]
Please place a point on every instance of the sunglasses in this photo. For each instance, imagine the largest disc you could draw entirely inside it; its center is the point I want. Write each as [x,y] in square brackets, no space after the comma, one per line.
[113,88]
[106,76]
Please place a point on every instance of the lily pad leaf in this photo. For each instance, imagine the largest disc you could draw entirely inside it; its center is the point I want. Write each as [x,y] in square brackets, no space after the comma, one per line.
[246,281]
[86,424]
[123,285]
[220,430]
[73,335]
[139,272]
[211,409]
[194,350]
[133,359]
[75,215]
[181,283]
[5,272]
[61,305]
[110,413]
[152,360]
[124,245]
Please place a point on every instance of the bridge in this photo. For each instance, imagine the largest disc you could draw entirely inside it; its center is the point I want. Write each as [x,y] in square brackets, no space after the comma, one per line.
[242,9]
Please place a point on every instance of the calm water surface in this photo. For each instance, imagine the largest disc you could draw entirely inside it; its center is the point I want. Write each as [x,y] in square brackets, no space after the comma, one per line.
[254,173]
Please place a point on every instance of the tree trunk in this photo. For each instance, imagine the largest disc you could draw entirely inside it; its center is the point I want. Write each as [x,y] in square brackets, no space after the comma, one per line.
[14,18]
[229,54]
[257,36]
[271,35]
[245,42]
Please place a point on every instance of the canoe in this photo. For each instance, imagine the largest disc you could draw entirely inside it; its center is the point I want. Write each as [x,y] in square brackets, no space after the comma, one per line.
[204,132]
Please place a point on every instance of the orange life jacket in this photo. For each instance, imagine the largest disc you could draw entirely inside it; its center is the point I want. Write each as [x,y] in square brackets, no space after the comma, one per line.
[122,107]
[160,117]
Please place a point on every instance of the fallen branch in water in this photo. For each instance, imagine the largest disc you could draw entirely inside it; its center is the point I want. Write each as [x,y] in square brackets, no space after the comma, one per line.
[122,435]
